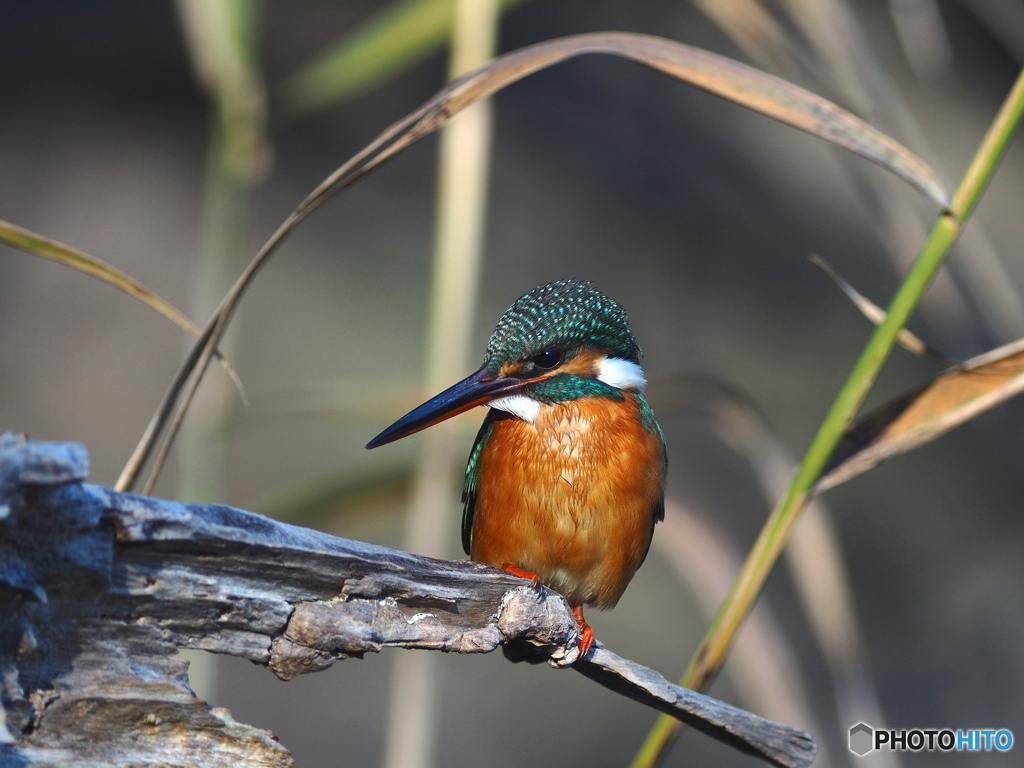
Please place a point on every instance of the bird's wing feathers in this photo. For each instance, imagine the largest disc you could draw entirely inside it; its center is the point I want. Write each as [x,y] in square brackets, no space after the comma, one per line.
[650,422]
[659,510]
[469,488]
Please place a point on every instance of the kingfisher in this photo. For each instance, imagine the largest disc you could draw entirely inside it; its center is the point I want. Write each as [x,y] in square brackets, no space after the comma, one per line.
[566,478]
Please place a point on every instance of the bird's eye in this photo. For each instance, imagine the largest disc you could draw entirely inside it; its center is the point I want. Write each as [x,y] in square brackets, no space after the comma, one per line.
[548,359]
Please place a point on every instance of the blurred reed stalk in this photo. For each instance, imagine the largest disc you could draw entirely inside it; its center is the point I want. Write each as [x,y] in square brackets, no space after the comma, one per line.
[708,660]
[391,41]
[765,671]
[819,573]
[221,36]
[464,167]
[763,664]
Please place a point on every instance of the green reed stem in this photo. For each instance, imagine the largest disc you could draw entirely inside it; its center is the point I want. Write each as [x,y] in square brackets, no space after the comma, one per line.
[710,656]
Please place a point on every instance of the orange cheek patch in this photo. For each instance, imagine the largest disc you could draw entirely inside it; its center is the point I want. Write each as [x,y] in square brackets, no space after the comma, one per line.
[510,369]
[583,364]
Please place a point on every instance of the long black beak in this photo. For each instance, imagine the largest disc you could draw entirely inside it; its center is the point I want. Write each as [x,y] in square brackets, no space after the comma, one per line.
[476,389]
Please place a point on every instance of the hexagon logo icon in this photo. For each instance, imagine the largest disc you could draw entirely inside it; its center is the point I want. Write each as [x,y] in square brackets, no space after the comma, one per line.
[861,739]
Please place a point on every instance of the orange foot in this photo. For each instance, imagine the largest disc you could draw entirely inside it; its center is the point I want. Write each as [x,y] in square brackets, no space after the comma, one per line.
[586,633]
[515,570]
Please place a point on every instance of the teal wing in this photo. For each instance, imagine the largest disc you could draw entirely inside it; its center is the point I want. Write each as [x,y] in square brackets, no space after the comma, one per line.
[650,422]
[469,487]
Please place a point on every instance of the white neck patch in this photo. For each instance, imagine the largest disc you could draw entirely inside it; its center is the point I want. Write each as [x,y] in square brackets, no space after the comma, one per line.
[621,374]
[521,406]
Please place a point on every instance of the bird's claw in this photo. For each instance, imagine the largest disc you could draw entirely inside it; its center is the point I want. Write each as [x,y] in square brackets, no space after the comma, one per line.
[586,633]
[515,570]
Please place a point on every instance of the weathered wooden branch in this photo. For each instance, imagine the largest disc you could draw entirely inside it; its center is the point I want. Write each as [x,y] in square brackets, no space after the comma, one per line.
[98,589]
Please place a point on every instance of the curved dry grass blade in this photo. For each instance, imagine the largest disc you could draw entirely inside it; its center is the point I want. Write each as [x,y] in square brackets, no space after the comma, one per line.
[37,245]
[924,414]
[732,80]
[199,356]
[744,85]
[906,339]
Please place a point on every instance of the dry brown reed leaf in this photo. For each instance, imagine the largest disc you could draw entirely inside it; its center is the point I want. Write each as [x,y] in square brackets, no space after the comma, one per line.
[37,245]
[44,247]
[730,79]
[927,412]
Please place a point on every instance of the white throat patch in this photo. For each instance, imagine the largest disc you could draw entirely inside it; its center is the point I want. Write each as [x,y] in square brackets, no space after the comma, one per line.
[621,374]
[521,406]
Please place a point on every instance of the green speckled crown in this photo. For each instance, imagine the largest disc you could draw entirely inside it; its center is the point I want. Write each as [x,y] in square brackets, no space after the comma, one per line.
[567,314]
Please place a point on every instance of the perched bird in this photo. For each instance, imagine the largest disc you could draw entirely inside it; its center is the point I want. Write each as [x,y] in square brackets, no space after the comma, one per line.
[566,478]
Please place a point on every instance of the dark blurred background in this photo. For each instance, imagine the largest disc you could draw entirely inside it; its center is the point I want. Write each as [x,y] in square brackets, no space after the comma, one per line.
[695,214]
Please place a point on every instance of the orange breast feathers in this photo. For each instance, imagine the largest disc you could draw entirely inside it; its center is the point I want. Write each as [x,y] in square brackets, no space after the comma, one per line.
[571,497]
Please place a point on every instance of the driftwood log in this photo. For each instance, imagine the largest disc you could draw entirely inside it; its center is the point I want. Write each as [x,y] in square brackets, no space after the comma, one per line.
[99,589]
